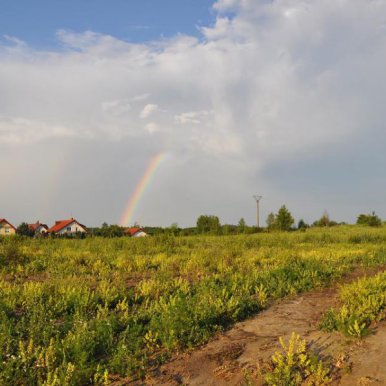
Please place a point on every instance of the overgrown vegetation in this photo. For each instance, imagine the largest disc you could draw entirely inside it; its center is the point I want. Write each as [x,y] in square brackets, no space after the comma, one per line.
[24,230]
[325,221]
[363,303]
[369,219]
[296,365]
[76,312]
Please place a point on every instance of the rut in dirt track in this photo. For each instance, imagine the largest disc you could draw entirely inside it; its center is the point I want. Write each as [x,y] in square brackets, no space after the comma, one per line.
[224,359]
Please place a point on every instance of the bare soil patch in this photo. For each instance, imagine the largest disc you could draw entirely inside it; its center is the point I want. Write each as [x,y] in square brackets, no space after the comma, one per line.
[249,344]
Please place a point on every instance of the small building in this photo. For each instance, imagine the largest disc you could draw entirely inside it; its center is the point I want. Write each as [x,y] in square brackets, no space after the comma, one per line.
[68,227]
[6,228]
[38,228]
[135,232]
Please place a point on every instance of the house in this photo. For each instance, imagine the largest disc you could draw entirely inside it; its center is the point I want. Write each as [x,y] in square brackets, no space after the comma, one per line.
[6,228]
[38,228]
[67,227]
[135,232]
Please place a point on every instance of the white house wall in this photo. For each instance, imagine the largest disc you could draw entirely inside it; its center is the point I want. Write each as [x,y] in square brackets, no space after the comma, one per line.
[41,229]
[140,234]
[71,228]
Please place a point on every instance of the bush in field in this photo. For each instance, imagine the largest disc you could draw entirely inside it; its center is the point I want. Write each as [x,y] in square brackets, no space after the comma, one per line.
[208,224]
[109,231]
[174,229]
[369,219]
[324,221]
[302,225]
[10,252]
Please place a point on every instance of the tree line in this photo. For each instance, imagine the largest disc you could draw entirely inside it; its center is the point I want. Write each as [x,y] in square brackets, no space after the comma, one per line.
[282,220]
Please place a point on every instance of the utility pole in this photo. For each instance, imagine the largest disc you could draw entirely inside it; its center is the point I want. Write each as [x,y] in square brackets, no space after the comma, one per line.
[257,198]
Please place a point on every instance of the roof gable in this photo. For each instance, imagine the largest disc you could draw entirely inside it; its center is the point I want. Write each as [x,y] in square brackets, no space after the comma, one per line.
[36,226]
[59,225]
[133,231]
[4,221]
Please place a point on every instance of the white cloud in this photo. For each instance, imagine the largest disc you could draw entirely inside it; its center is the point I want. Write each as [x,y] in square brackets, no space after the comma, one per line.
[93,43]
[194,117]
[140,97]
[151,127]
[223,5]
[14,40]
[279,75]
[116,107]
[148,110]
[220,29]
[18,130]
[272,82]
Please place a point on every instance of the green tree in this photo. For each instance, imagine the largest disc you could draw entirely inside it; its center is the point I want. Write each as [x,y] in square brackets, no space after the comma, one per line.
[302,224]
[115,231]
[271,221]
[369,219]
[24,230]
[284,219]
[241,226]
[208,224]
[110,231]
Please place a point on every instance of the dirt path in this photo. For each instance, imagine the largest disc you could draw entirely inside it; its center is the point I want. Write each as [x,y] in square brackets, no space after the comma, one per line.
[224,360]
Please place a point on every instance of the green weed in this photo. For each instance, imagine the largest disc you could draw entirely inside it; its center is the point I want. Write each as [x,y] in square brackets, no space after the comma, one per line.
[296,365]
[363,303]
[76,312]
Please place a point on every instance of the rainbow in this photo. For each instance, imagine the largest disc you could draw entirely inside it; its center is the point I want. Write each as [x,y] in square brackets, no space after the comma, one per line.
[140,188]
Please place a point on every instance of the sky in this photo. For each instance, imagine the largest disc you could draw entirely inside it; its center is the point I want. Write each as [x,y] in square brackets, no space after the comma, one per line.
[133,21]
[281,98]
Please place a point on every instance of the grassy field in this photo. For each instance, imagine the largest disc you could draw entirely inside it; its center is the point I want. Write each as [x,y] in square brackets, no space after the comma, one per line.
[76,312]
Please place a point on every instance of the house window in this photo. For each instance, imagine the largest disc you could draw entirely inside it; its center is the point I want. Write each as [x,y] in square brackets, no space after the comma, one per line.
[68,229]
[6,230]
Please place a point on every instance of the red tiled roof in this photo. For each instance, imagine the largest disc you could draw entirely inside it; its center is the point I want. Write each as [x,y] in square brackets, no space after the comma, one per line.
[133,231]
[59,225]
[35,226]
[7,222]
